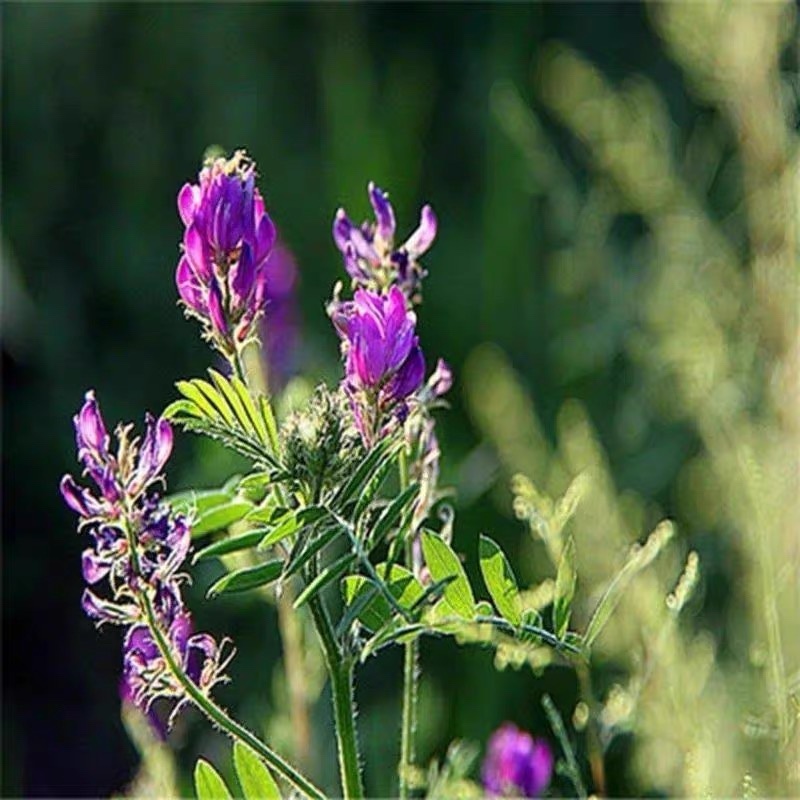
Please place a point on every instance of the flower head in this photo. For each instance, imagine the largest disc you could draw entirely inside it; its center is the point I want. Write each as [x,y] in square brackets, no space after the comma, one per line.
[227,242]
[516,764]
[384,363]
[138,546]
[372,258]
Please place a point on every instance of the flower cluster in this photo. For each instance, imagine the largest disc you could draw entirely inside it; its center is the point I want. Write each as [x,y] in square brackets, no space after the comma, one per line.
[138,546]
[384,364]
[516,764]
[221,276]
[371,257]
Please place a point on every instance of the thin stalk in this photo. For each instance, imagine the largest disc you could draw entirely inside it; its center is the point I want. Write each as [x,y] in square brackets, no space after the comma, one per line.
[410,674]
[219,717]
[340,671]
[250,368]
[596,761]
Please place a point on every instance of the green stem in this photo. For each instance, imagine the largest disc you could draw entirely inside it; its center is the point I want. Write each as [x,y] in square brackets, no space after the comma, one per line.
[219,717]
[340,670]
[250,368]
[410,674]
[344,713]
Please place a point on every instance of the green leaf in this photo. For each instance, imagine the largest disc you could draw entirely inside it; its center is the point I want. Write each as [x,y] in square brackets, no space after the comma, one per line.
[394,631]
[568,503]
[386,449]
[391,515]
[307,547]
[640,558]
[443,563]
[197,501]
[372,488]
[292,522]
[500,580]
[242,580]
[255,779]
[177,408]
[221,516]
[194,395]
[255,418]
[208,785]
[405,589]
[565,589]
[328,575]
[234,401]
[217,400]
[265,407]
[232,544]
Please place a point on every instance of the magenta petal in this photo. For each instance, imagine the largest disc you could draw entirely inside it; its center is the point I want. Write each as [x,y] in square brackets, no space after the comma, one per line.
[242,279]
[409,377]
[93,567]
[442,378]
[384,213]
[197,252]
[265,236]
[188,200]
[341,229]
[90,427]
[73,496]
[189,287]
[216,312]
[421,240]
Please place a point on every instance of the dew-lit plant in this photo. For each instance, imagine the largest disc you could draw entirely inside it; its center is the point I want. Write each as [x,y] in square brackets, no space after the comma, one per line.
[340,509]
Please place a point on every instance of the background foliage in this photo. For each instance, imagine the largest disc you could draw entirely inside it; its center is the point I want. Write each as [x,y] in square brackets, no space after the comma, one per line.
[615,284]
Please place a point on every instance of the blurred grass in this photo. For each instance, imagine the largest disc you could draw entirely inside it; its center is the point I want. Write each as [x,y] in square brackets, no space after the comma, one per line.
[617,193]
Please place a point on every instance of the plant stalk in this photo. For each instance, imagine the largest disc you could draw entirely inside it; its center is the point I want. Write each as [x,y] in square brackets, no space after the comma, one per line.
[410,674]
[250,368]
[340,671]
[219,717]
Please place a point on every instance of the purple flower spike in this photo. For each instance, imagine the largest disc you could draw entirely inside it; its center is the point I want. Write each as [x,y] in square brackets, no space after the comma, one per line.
[516,764]
[139,546]
[371,256]
[226,246]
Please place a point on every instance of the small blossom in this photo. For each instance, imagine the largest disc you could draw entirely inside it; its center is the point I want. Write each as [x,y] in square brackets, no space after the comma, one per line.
[226,246]
[384,364]
[371,257]
[516,764]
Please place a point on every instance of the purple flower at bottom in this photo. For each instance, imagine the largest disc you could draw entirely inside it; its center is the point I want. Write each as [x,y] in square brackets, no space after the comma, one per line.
[516,764]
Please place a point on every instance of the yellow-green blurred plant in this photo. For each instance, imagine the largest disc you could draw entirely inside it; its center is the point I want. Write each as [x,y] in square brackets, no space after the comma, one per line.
[711,335]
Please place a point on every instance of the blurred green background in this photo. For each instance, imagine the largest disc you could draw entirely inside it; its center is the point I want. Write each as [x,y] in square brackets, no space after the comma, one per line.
[595,198]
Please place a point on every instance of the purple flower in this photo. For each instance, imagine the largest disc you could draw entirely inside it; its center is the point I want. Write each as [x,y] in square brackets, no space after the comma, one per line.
[226,246]
[384,363]
[138,547]
[371,257]
[516,764]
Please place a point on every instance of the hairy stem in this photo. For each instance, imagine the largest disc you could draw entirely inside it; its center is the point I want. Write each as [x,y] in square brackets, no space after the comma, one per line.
[251,369]
[410,674]
[340,671]
[219,717]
